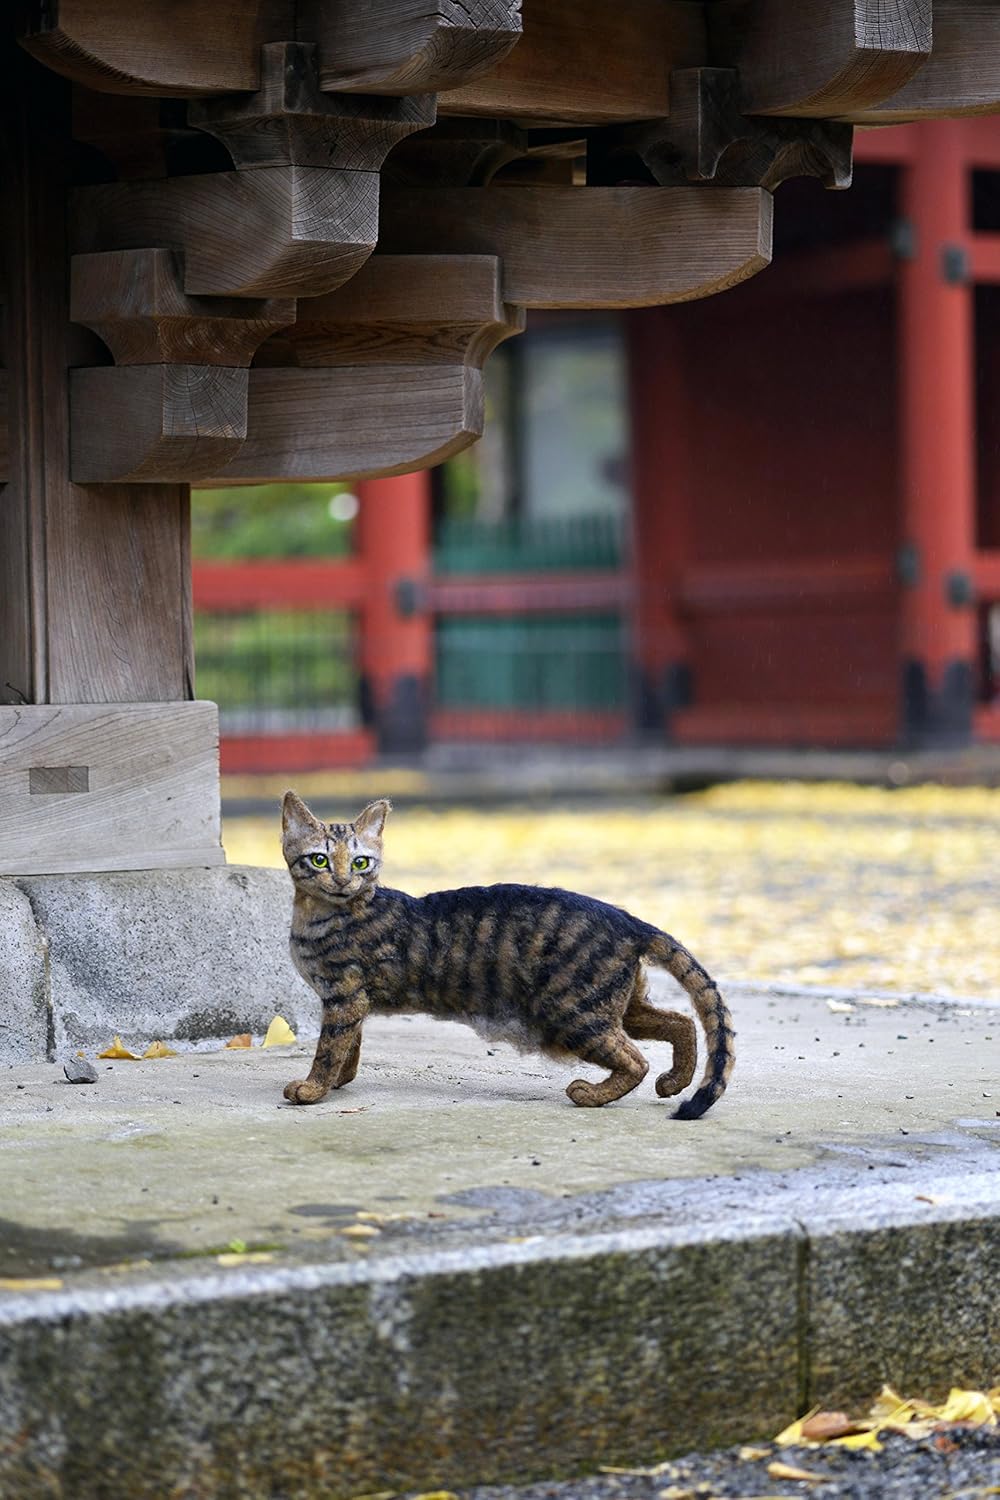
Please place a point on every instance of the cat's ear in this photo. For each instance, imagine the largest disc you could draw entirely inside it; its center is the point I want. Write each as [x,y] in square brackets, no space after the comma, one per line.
[372,820]
[297,822]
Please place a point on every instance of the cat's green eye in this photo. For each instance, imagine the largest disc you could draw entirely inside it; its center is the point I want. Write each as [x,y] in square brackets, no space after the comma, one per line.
[361,863]
[319,861]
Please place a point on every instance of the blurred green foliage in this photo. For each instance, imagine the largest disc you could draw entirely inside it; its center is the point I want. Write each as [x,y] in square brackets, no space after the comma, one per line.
[268,520]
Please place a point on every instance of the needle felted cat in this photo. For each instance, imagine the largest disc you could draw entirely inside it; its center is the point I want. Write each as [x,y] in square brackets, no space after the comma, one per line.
[547,970]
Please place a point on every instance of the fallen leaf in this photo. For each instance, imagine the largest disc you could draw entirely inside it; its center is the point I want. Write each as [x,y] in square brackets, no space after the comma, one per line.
[967,1406]
[29,1283]
[793,1433]
[119,1050]
[244,1258]
[925,1198]
[859,1440]
[358,1109]
[778,1470]
[436,1495]
[243,1040]
[882,1002]
[944,1444]
[750,1455]
[359,1231]
[828,1424]
[839,1007]
[279,1033]
[159,1049]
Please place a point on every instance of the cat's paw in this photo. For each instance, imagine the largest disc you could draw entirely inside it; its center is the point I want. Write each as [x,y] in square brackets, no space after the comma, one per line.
[304,1091]
[583,1093]
[673,1082]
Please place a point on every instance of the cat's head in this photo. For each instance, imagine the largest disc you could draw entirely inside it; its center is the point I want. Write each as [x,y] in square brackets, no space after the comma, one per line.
[333,862]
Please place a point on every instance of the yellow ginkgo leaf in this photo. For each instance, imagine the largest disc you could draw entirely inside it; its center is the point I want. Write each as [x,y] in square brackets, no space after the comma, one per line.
[29,1283]
[243,1040]
[159,1049]
[244,1258]
[279,1033]
[967,1406]
[859,1440]
[778,1470]
[360,1231]
[119,1050]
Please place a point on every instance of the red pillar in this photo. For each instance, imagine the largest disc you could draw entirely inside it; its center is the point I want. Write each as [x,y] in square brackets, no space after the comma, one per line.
[660,475]
[936,371]
[396,629]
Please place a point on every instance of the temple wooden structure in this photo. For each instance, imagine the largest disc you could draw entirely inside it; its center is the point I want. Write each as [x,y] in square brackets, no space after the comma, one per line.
[262,239]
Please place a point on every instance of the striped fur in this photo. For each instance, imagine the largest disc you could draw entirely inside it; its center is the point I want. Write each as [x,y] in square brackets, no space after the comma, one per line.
[548,970]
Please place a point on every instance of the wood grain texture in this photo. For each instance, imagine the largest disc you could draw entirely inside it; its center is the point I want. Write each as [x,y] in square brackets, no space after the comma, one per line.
[119,596]
[577,247]
[456,152]
[962,75]
[144,793]
[289,121]
[588,62]
[407,310]
[169,47]
[816,58]
[409,46]
[155,424]
[273,232]
[134,300]
[708,139]
[4,435]
[356,423]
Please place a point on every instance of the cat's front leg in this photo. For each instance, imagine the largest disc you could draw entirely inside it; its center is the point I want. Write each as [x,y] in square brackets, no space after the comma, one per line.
[337,1053]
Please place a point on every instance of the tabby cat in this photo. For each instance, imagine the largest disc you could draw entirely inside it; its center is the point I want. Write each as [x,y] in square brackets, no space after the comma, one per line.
[547,970]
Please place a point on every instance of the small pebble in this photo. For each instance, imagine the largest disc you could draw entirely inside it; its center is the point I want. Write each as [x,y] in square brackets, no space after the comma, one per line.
[80,1070]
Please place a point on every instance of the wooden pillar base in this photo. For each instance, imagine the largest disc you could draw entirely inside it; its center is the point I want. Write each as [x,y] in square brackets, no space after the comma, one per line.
[108,786]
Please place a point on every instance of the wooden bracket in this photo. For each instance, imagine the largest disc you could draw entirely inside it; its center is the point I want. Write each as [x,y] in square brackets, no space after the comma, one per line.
[409,46]
[962,75]
[289,121]
[180,48]
[382,376]
[588,62]
[174,407]
[591,246]
[708,139]
[818,58]
[456,153]
[281,224]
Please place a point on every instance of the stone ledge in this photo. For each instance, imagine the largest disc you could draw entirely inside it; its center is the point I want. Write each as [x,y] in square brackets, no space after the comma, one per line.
[183,955]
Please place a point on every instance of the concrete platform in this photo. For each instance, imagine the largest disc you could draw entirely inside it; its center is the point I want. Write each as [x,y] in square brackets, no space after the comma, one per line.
[447,1274]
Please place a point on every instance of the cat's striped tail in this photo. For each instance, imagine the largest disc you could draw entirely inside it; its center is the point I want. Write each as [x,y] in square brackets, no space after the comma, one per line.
[667,953]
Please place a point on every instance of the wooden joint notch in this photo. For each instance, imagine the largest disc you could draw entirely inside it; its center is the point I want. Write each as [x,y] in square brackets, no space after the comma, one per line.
[289,121]
[381,377]
[708,139]
[580,247]
[818,58]
[409,46]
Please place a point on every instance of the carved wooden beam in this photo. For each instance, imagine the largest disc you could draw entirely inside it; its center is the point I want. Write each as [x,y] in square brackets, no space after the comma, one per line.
[588,62]
[179,48]
[409,46]
[818,58]
[962,75]
[381,377]
[174,407]
[708,139]
[591,246]
[281,224]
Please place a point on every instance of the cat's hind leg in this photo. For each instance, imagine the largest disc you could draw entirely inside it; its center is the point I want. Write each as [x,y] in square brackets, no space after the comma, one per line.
[612,1049]
[648,1024]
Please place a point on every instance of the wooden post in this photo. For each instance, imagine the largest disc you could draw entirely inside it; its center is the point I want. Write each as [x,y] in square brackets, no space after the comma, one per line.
[397,639]
[95,599]
[659,520]
[937,412]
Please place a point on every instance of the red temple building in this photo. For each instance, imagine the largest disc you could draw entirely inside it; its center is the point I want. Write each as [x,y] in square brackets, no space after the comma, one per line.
[792,537]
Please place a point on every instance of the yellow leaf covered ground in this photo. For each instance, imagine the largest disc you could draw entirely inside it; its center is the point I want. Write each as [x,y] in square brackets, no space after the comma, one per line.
[826,884]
